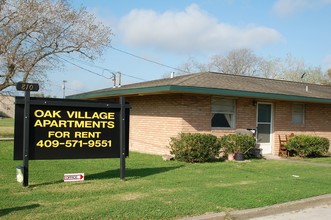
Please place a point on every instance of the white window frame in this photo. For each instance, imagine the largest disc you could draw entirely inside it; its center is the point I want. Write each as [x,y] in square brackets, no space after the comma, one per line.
[300,114]
[232,113]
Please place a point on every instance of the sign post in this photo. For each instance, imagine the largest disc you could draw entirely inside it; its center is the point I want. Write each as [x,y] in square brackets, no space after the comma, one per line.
[27,87]
[26,139]
[122,139]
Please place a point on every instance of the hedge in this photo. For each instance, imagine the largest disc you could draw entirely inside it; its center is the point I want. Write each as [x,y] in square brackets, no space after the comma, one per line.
[237,143]
[195,147]
[308,146]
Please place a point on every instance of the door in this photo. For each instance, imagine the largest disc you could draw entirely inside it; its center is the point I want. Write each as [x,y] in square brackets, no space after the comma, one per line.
[264,126]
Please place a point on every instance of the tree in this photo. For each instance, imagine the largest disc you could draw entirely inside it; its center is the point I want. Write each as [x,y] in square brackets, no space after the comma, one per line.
[271,68]
[294,69]
[191,66]
[245,62]
[2,3]
[33,33]
[327,80]
[238,62]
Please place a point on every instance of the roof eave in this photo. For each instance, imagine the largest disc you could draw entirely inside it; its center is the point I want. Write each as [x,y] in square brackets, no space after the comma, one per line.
[195,90]
[121,92]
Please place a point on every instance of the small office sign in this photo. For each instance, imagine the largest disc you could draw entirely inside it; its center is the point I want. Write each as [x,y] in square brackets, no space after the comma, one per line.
[73,177]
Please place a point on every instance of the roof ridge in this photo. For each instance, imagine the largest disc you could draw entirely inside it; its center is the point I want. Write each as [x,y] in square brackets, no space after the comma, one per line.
[162,79]
[188,77]
[269,79]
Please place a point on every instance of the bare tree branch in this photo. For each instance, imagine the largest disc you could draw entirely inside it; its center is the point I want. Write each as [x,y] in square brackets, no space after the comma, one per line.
[245,62]
[32,32]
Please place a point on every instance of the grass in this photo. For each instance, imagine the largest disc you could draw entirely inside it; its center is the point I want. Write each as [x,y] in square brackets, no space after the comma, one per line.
[326,159]
[154,189]
[6,127]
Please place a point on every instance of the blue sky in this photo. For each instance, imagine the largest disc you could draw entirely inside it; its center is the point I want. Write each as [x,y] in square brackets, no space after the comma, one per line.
[172,31]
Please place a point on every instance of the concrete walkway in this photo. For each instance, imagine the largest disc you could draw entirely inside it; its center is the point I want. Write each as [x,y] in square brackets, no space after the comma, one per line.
[318,208]
[319,213]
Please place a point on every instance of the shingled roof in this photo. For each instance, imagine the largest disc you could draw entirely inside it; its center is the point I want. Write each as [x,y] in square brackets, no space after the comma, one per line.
[220,84]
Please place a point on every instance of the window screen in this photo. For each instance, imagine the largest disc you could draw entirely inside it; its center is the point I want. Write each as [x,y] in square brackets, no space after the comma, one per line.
[223,113]
[298,113]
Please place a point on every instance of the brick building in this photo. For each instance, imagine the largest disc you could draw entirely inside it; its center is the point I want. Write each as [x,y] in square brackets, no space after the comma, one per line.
[7,106]
[220,103]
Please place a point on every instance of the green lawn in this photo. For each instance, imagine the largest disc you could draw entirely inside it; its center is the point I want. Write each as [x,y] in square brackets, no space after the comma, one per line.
[154,189]
[326,160]
[6,127]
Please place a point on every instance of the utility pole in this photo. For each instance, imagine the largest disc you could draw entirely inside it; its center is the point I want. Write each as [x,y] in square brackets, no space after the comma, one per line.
[119,79]
[64,88]
[113,78]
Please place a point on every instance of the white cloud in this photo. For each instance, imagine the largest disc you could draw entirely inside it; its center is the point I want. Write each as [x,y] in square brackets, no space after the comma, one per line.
[190,30]
[285,8]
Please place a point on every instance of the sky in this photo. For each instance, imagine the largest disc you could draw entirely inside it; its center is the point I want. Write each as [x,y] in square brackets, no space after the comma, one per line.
[152,38]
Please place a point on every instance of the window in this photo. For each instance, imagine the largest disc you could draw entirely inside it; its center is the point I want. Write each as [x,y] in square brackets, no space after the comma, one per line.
[298,115]
[223,113]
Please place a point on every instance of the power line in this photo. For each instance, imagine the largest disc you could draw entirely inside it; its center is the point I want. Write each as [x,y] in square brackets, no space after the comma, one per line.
[86,63]
[60,86]
[103,68]
[140,79]
[148,60]
[90,71]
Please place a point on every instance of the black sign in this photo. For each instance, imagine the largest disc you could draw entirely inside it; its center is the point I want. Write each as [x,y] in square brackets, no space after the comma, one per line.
[21,86]
[70,129]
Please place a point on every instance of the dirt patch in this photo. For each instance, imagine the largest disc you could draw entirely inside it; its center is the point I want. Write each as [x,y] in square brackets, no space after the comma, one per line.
[130,196]
[222,184]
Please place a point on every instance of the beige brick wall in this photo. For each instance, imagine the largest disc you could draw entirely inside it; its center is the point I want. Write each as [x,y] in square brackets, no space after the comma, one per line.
[246,113]
[154,119]
[317,121]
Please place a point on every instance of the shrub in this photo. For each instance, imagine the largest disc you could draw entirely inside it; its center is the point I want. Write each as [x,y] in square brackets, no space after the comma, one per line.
[194,147]
[237,143]
[308,146]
